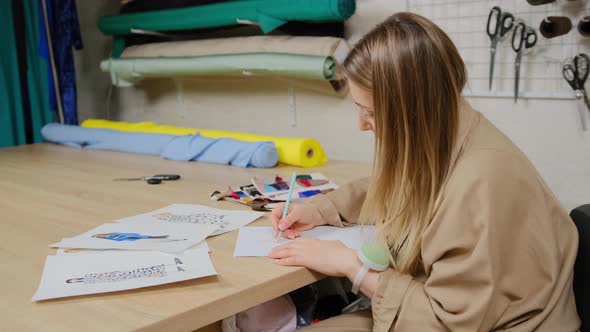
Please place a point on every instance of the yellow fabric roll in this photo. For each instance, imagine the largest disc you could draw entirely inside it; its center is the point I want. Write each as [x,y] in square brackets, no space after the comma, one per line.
[302,152]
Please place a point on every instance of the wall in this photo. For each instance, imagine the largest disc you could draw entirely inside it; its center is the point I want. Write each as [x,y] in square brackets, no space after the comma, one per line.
[92,84]
[546,130]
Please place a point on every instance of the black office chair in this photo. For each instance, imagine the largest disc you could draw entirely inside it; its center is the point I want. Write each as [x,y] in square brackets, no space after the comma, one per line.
[581,217]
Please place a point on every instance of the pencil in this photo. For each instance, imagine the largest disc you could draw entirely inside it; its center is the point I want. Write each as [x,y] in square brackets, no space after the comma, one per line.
[286,210]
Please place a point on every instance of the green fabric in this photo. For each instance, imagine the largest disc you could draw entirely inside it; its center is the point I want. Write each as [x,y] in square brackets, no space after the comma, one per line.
[270,14]
[128,71]
[118,46]
[37,76]
[12,126]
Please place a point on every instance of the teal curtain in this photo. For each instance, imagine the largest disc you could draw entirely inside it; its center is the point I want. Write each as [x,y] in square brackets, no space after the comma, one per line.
[37,75]
[12,126]
[12,123]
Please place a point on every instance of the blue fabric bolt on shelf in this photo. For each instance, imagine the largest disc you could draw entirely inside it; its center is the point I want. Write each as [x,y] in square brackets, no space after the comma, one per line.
[226,151]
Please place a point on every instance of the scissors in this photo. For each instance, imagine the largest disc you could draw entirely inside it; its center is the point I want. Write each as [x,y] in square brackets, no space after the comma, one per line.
[575,73]
[155,179]
[522,38]
[498,25]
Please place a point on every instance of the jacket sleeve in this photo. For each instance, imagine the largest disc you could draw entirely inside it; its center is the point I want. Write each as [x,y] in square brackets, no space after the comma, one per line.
[479,254]
[342,204]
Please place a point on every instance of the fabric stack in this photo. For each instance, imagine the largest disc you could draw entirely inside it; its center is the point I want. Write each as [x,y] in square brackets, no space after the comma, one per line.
[298,39]
[302,152]
[290,28]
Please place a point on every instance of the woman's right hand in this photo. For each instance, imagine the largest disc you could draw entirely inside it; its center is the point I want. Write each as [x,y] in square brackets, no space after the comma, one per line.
[300,217]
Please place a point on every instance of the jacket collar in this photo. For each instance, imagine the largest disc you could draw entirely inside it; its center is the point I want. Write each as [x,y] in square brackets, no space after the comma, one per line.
[468,119]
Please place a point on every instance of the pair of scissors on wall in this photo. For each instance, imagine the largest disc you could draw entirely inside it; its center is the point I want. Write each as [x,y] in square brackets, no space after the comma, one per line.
[575,73]
[155,179]
[499,23]
[523,38]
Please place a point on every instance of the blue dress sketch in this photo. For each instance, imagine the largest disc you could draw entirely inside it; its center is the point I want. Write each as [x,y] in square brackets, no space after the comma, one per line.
[131,237]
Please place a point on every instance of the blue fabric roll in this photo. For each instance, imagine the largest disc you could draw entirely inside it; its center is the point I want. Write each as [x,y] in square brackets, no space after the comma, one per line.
[225,151]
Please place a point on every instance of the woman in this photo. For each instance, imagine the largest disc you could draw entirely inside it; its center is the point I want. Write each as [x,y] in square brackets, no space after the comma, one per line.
[477,240]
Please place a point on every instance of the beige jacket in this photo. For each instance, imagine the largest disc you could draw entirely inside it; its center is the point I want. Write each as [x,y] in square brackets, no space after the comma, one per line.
[498,254]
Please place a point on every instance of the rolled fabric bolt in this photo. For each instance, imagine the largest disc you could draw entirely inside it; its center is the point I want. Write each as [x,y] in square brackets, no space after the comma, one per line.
[269,14]
[584,26]
[302,152]
[555,26]
[129,71]
[539,2]
[183,148]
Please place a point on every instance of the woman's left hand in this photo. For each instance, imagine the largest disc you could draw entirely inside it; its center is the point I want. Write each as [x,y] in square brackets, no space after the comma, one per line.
[331,258]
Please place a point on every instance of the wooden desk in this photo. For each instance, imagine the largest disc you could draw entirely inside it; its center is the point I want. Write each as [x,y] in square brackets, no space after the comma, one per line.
[48,192]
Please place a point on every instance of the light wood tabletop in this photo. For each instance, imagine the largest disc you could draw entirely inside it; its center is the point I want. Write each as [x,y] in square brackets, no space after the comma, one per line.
[48,192]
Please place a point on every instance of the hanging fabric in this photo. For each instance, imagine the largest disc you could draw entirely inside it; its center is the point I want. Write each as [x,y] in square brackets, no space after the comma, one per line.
[12,125]
[37,79]
[21,51]
[65,34]
[24,88]
[46,51]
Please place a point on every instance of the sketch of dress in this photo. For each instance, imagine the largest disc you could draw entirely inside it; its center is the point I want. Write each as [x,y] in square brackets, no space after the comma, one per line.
[196,218]
[154,271]
[131,237]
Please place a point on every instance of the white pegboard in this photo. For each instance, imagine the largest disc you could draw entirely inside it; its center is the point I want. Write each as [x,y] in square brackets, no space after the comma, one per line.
[540,74]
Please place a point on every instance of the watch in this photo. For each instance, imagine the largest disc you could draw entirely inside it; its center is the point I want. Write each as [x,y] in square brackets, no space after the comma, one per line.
[374,256]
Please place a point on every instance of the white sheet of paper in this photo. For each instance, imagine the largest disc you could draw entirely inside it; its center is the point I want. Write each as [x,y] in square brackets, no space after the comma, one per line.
[224,220]
[199,246]
[71,275]
[178,237]
[258,241]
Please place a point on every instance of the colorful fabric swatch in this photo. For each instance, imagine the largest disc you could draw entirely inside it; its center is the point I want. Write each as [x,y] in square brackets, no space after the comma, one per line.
[309,193]
[277,188]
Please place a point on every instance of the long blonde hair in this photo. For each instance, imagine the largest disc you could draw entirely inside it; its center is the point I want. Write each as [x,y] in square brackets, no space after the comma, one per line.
[415,75]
